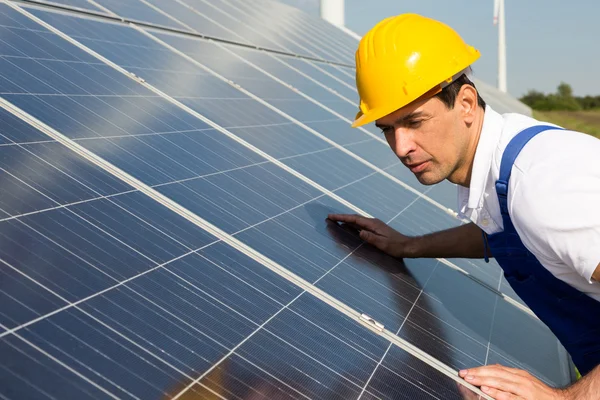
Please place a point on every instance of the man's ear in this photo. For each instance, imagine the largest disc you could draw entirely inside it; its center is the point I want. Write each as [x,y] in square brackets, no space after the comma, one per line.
[467,103]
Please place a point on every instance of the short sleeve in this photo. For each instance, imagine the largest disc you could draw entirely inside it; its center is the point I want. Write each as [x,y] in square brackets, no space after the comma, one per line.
[556,211]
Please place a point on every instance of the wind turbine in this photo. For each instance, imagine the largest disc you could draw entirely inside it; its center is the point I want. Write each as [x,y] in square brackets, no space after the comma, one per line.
[500,21]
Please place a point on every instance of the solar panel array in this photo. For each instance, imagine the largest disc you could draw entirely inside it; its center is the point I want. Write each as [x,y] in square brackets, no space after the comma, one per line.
[166,170]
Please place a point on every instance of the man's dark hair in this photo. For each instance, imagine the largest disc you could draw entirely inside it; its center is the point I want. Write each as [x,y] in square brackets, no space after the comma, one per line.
[449,93]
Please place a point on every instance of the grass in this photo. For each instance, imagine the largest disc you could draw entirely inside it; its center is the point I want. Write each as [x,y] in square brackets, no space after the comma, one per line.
[582,121]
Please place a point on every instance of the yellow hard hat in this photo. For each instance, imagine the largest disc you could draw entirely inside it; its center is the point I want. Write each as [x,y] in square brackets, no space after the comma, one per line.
[404,57]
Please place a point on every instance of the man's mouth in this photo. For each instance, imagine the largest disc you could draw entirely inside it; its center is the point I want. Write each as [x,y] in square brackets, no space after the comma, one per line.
[417,167]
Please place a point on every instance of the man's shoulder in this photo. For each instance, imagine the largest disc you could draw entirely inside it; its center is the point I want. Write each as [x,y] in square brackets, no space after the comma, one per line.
[556,174]
[554,148]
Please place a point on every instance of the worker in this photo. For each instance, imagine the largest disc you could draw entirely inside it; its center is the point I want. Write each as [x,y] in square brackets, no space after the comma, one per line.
[530,190]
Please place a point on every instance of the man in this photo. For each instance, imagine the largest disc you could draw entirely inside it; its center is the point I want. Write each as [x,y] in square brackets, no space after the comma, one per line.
[531,190]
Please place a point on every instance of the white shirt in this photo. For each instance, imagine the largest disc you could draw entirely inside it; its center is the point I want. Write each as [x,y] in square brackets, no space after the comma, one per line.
[553,196]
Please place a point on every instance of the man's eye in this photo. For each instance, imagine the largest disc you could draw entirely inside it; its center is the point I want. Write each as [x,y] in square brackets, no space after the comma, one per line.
[387,129]
[414,124]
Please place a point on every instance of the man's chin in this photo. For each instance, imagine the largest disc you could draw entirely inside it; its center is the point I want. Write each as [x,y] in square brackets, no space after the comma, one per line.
[428,178]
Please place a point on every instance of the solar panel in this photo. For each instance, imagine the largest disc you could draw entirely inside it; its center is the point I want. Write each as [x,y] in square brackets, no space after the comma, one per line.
[164,230]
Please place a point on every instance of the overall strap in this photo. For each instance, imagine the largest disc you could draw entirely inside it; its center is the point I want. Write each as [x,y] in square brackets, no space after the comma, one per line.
[508,158]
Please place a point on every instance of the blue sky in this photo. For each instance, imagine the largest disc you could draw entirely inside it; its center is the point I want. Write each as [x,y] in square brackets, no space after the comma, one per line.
[548,41]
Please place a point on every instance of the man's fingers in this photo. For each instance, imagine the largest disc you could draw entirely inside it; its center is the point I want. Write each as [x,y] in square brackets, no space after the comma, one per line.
[486,370]
[358,221]
[499,394]
[515,371]
[498,378]
[343,217]
[502,383]
[374,239]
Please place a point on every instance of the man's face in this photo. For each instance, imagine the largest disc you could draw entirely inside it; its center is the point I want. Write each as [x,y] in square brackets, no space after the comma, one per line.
[428,138]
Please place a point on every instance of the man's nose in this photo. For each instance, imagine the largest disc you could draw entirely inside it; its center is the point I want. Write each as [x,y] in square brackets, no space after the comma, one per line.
[404,142]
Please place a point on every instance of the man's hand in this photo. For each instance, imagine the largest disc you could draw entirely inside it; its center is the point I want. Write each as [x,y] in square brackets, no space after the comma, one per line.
[377,233]
[596,274]
[503,383]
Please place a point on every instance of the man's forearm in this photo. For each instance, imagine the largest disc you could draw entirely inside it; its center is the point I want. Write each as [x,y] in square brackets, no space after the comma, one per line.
[587,388]
[465,241]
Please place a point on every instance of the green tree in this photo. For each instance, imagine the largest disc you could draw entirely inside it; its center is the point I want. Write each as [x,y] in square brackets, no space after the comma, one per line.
[563,99]
[564,91]
[532,97]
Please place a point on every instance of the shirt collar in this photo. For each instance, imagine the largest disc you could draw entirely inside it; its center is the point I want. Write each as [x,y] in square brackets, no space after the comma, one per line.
[482,163]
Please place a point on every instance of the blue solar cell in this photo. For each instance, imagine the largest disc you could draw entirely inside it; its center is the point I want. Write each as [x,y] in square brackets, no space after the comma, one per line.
[138,11]
[52,267]
[444,193]
[421,218]
[226,201]
[273,92]
[102,355]
[17,198]
[385,200]
[86,241]
[22,299]
[401,172]
[77,4]
[177,228]
[66,179]
[278,66]
[343,74]
[397,375]
[315,69]
[19,360]
[330,168]
[386,159]
[271,21]
[208,21]
[527,342]
[452,326]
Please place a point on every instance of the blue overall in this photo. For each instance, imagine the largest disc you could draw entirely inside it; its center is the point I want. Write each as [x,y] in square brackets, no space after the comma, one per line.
[573,316]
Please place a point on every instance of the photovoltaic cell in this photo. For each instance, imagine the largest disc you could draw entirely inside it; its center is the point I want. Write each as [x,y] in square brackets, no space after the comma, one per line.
[138,10]
[316,70]
[275,67]
[277,19]
[258,25]
[76,4]
[208,20]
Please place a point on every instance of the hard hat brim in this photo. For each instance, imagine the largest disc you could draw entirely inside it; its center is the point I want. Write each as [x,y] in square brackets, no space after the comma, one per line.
[363,119]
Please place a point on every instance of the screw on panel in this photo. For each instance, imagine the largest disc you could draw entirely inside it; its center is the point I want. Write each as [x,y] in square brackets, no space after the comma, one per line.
[137,78]
[377,325]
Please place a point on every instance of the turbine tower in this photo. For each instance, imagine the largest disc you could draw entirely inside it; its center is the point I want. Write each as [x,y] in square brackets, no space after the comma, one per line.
[333,11]
[499,20]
